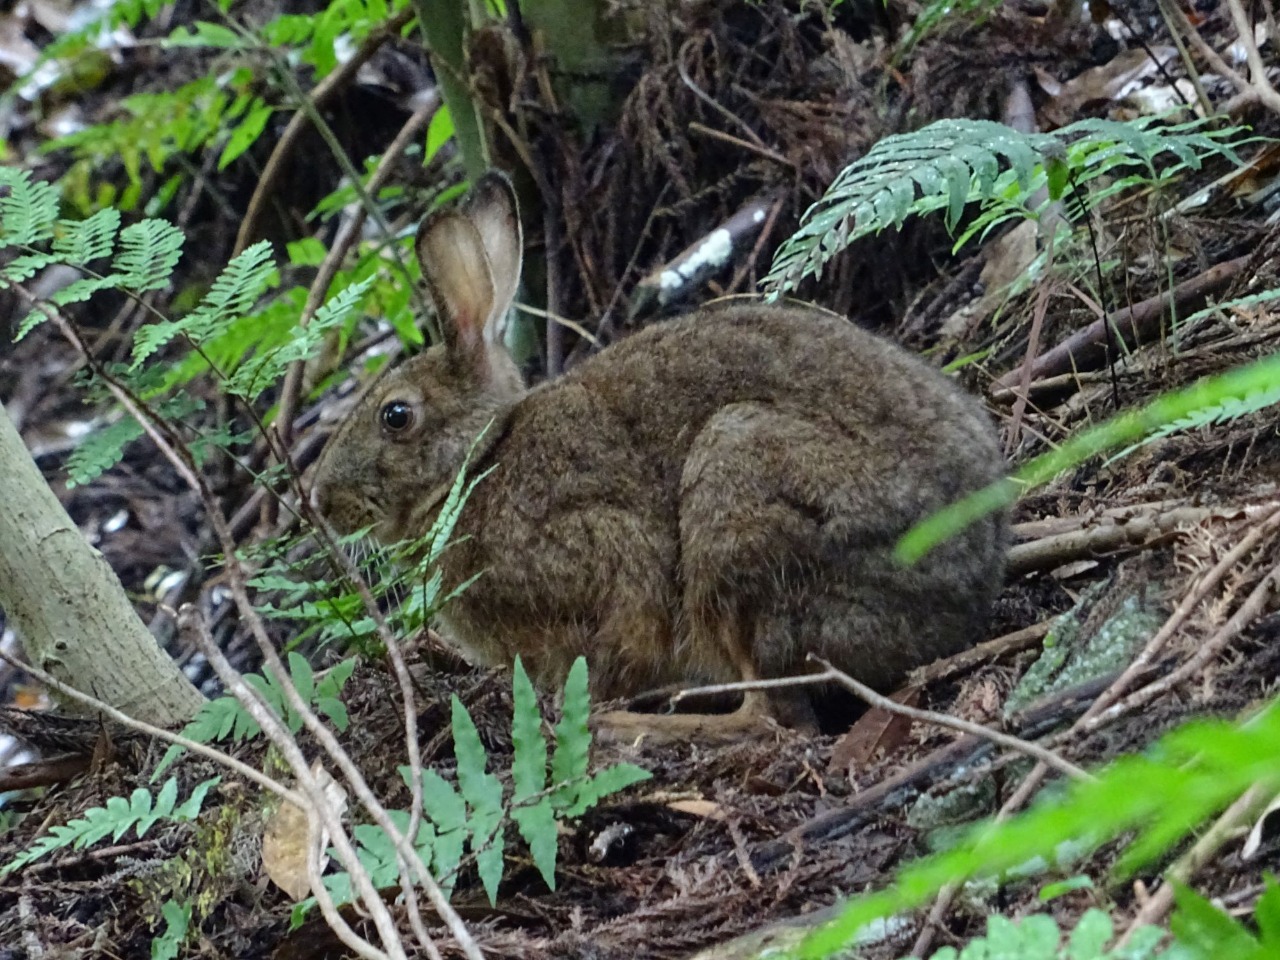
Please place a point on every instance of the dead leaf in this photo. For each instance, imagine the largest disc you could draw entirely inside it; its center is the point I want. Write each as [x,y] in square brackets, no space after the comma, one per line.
[284,841]
[707,809]
[876,732]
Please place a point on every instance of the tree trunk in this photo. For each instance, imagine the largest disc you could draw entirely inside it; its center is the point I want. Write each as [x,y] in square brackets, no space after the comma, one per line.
[68,605]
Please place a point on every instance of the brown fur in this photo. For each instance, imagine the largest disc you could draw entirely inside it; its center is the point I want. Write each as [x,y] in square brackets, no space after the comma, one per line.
[712,498]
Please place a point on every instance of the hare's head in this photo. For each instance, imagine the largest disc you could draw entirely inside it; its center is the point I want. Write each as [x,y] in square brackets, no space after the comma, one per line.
[392,460]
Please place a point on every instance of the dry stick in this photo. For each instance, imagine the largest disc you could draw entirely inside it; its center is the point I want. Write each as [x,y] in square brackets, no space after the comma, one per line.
[989,650]
[1202,96]
[323,90]
[1245,809]
[862,691]
[1252,91]
[346,238]
[758,149]
[748,265]
[1087,348]
[1130,528]
[714,104]
[317,804]
[237,580]
[1023,392]
[1257,69]
[212,753]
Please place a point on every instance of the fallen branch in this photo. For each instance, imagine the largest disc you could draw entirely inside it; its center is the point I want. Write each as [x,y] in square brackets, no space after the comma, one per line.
[1136,527]
[1087,349]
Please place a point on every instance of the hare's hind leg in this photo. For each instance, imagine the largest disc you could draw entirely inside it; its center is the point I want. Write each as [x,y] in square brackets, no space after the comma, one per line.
[751,720]
[767,505]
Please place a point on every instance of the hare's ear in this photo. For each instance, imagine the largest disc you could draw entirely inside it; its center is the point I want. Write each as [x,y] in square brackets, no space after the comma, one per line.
[470,261]
[493,210]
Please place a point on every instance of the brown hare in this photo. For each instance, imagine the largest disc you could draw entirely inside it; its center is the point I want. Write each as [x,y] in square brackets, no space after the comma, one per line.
[709,500]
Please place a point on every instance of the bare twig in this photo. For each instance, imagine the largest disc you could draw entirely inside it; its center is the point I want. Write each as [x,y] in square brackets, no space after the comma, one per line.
[1131,326]
[346,238]
[320,95]
[1133,527]
[1246,808]
[863,692]
[203,749]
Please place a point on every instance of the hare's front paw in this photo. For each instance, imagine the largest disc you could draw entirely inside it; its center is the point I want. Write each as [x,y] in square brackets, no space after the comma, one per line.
[623,726]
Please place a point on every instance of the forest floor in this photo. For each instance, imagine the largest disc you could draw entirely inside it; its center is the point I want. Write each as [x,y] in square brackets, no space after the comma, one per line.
[724,841]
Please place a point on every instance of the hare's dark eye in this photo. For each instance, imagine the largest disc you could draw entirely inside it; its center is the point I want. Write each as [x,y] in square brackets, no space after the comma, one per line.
[396,416]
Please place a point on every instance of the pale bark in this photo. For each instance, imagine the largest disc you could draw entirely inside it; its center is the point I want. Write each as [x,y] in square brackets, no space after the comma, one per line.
[68,606]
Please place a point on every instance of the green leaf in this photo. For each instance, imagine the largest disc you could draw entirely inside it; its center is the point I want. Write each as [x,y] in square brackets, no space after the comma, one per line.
[537,825]
[1090,937]
[177,918]
[573,737]
[232,294]
[205,34]
[80,243]
[28,208]
[439,132]
[148,252]
[529,764]
[1200,925]
[606,782]
[245,134]
[1266,914]
[1051,891]
[307,252]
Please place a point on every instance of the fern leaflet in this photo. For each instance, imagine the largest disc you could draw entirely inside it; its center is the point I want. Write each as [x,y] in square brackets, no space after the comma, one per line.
[81,242]
[951,164]
[140,812]
[28,208]
[149,250]
[233,293]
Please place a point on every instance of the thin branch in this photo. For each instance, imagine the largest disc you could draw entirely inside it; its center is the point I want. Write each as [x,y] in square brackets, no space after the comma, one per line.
[288,141]
[203,749]
[863,692]
[346,238]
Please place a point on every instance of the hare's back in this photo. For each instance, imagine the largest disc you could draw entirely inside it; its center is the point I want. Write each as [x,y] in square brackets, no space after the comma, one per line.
[901,413]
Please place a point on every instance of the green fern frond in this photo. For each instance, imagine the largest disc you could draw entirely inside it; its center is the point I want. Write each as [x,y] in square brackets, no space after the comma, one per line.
[1225,411]
[103,448]
[149,250]
[140,812]
[81,242]
[232,293]
[260,371]
[472,816]
[77,291]
[226,718]
[951,164]
[28,208]
[23,267]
